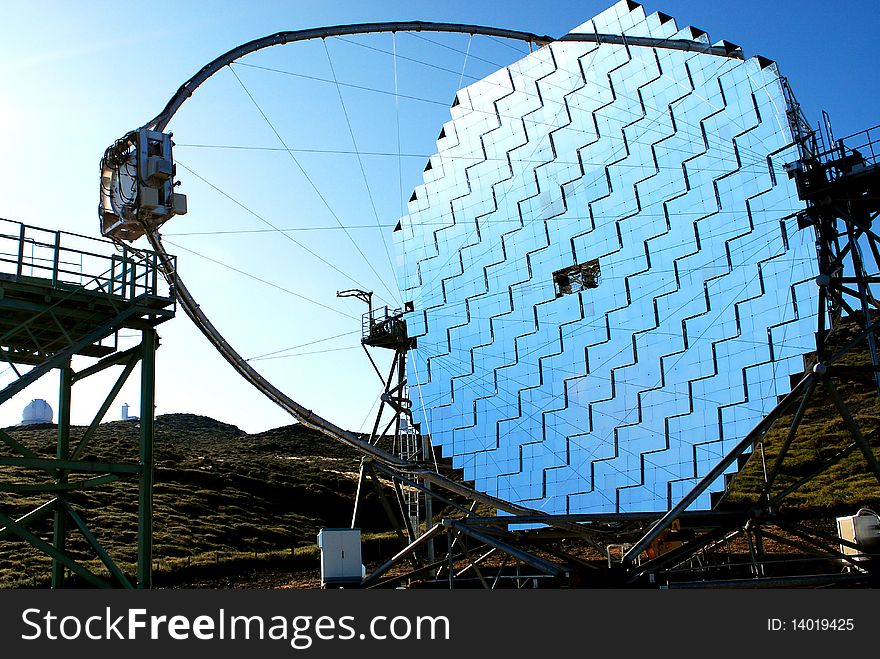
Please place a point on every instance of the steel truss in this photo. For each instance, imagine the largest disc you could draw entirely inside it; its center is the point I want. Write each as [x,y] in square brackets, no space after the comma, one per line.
[51,326]
[385,328]
[840,184]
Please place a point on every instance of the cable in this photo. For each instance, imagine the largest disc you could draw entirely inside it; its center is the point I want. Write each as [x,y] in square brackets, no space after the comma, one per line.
[723,62]
[555,220]
[311,183]
[262,281]
[302,354]
[300,345]
[358,154]
[425,156]
[619,110]
[266,222]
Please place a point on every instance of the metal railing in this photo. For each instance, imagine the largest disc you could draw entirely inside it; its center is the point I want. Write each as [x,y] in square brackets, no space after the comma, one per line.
[857,151]
[380,321]
[865,143]
[70,260]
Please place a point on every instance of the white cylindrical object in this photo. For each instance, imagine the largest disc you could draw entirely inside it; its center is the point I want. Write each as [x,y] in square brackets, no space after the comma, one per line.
[37,411]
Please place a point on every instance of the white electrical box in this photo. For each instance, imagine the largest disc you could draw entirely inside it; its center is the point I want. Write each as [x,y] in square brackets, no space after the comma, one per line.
[178,203]
[340,557]
[862,528]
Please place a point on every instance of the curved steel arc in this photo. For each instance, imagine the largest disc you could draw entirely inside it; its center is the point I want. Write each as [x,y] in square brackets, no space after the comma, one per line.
[160,122]
[192,309]
[292,36]
[306,416]
[249,373]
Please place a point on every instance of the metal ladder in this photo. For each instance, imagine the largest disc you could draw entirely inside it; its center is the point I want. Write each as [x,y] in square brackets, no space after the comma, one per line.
[410,450]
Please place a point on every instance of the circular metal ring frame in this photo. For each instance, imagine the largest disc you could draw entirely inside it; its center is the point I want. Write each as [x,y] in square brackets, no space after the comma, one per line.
[390,462]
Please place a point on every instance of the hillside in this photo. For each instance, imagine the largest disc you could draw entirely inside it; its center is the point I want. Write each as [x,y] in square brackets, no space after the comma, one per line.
[220,495]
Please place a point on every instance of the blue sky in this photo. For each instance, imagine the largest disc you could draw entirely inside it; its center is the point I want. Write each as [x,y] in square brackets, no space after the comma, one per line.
[77,76]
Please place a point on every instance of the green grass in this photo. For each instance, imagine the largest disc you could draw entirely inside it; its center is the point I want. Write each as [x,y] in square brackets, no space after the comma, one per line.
[220,497]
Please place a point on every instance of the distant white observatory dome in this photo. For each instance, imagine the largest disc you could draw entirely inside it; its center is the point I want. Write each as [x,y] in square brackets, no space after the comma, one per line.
[37,411]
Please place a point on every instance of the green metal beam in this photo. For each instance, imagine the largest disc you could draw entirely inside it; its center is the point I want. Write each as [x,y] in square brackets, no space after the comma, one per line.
[63,330]
[59,532]
[44,322]
[49,550]
[63,291]
[5,355]
[15,445]
[63,356]
[108,401]
[34,340]
[115,359]
[145,490]
[19,357]
[99,549]
[40,308]
[51,465]
[32,516]
[72,486]
[156,317]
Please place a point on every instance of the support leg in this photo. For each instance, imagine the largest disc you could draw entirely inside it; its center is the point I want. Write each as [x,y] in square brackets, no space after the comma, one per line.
[59,533]
[145,490]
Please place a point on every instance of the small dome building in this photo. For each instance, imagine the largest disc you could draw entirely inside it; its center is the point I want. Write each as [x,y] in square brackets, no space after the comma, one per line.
[37,411]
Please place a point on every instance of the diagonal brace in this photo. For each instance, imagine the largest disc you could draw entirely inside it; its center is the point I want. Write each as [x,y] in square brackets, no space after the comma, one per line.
[853,427]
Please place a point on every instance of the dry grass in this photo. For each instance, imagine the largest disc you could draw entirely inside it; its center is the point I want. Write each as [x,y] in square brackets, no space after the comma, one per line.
[221,498]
